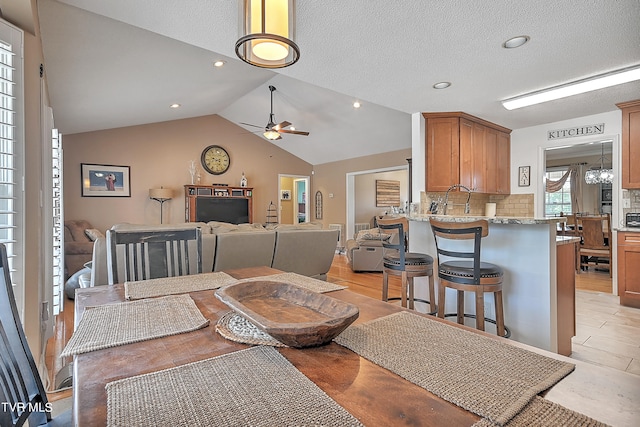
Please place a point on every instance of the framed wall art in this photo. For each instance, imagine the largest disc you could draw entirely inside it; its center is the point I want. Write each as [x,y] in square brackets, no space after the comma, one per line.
[524,176]
[105,180]
[285,195]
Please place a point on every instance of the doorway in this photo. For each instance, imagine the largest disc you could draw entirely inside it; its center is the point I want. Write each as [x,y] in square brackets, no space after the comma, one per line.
[293,203]
[595,199]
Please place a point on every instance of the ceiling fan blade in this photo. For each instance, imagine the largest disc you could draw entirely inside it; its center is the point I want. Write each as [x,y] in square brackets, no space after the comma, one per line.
[281,125]
[295,132]
[249,124]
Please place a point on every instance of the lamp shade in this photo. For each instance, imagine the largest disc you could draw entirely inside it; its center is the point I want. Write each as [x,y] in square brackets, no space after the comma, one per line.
[161,193]
[267,33]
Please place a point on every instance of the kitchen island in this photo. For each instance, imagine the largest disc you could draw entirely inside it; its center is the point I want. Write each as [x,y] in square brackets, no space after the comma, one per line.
[526,248]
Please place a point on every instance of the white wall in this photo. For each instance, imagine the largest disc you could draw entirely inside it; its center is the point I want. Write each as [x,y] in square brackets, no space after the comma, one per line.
[528,145]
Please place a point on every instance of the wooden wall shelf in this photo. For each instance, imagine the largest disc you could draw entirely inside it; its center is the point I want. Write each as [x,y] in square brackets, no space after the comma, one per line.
[205,203]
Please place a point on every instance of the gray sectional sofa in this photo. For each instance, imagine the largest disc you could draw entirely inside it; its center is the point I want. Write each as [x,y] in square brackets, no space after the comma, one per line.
[306,249]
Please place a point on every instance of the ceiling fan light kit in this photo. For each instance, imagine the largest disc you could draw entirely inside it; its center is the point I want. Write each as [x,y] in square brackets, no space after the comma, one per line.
[267,33]
[272,130]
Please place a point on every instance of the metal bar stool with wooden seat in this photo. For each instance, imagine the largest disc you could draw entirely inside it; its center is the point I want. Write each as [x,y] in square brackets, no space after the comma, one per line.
[399,262]
[468,274]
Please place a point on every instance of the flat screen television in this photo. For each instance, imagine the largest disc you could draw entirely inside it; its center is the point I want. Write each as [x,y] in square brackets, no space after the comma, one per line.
[234,211]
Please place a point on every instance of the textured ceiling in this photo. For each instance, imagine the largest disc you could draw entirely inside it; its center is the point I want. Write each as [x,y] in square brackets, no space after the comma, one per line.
[120,62]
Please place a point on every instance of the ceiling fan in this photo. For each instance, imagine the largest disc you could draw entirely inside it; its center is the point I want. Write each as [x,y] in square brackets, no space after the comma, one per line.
[272,131]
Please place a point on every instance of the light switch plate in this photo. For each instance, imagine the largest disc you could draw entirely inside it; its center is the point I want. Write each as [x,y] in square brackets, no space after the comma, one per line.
[626,203]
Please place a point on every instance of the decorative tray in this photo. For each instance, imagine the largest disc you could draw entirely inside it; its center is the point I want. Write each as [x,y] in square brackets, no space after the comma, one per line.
[293,315]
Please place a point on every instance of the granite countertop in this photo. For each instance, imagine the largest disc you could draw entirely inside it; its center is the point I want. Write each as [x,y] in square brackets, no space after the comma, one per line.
[628,229]
[566,240]
[491,220]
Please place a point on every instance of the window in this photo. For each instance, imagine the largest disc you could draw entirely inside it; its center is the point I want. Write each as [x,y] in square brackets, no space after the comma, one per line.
[11,141]
[560,201]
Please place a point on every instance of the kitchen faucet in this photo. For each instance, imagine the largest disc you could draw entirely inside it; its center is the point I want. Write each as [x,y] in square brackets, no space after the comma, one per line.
[466,205]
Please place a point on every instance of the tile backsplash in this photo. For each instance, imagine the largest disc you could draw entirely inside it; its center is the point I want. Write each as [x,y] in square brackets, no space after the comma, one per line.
[514,205]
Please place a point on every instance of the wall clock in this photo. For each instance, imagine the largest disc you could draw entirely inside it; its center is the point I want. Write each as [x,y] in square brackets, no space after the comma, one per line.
[215,159]
[524,176]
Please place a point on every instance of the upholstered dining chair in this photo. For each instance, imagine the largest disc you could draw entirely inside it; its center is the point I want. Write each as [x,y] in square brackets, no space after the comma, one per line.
[142,255]
[22,393]
[398,261]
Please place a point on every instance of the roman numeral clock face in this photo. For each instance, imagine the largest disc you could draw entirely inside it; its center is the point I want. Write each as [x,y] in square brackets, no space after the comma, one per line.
[215,159]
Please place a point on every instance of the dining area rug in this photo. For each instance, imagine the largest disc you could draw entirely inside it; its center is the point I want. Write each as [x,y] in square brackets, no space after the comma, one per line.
[117,324]
[490,378]
[256,386]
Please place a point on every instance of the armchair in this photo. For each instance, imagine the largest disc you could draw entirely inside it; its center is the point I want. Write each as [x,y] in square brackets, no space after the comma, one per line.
[78,248]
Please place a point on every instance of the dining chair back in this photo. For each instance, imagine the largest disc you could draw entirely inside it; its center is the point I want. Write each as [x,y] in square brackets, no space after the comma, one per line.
[460,268]
[22,393]
[593,249]
[142,255]
[397,260]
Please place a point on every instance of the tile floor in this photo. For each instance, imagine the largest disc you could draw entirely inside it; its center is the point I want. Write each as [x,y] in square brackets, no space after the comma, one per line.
[606,333]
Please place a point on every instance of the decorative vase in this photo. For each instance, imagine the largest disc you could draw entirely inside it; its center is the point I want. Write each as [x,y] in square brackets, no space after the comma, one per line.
[243,180]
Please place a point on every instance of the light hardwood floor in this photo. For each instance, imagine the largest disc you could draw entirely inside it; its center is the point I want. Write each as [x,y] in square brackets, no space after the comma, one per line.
[606,332]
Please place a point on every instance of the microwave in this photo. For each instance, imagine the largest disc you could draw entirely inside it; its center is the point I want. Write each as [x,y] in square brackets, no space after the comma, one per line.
[632,219]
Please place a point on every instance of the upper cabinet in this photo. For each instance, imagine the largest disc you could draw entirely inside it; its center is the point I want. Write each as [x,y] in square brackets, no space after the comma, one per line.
[463,149]
[630,144]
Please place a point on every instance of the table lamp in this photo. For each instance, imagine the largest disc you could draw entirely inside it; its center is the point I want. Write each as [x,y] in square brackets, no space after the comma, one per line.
[161,195]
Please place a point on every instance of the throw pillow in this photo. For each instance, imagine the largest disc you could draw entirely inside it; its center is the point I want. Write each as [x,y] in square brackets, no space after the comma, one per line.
[372,234]
[93,233]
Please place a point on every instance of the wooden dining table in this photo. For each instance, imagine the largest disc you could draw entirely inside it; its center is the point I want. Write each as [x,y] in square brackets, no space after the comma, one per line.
[374,395]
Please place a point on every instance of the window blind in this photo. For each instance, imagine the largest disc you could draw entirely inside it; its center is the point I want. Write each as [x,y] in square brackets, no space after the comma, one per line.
[11,133]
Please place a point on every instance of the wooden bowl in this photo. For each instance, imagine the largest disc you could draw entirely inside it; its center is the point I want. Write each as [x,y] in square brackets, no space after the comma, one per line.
[293,315]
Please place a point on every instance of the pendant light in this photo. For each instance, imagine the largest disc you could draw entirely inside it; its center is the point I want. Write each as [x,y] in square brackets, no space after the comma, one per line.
[267,33]
[600,175]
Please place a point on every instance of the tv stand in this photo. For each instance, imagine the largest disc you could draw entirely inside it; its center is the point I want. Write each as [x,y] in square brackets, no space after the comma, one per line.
[204,203]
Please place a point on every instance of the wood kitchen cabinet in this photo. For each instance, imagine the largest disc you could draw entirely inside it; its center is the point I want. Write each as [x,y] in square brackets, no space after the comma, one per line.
[630,144]
[629,268]
[463,149]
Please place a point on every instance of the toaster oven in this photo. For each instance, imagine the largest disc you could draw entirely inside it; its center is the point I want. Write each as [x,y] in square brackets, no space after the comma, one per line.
[632,219]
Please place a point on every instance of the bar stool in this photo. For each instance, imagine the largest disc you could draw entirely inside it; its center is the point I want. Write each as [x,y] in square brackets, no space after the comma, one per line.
[468,275]
[399,262]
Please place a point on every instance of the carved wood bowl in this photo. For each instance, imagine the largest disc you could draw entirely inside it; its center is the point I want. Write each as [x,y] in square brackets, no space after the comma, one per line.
[293,315]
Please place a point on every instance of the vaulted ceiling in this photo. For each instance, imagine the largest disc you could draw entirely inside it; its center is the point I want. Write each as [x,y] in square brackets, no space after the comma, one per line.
[121,62]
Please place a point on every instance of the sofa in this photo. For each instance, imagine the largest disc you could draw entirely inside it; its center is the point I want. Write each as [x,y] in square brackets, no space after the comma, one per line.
[306,248]
[78,246]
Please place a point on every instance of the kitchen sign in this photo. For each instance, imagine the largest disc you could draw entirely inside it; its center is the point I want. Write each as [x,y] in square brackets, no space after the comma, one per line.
[576,131]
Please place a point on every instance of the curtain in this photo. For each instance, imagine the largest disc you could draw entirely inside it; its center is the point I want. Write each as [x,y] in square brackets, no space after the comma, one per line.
[576,187]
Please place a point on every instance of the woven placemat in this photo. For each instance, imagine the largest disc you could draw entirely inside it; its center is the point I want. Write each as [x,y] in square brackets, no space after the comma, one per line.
[128,322]
[237,328]
[315,285]
[543,413]
[175,285]
[485,376]
[252,387]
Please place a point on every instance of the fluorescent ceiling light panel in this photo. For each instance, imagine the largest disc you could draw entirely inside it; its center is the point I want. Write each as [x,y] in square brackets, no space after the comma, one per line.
[581,86]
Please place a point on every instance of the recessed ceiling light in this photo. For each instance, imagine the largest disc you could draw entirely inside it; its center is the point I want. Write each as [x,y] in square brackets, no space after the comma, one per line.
[219,63]
[357,104]
[174,106]
[442,85]
[515,42]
